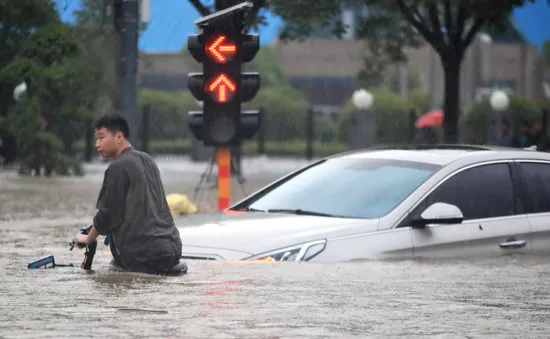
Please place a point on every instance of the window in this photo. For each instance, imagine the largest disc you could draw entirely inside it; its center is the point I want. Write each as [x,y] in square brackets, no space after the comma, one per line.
[480,192]
[348,187]
[536,180]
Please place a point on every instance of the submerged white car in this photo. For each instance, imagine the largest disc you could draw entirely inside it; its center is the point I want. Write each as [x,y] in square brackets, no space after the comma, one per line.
[437,202]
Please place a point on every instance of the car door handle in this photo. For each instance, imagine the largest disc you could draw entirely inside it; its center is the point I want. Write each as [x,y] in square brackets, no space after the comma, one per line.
[513,244]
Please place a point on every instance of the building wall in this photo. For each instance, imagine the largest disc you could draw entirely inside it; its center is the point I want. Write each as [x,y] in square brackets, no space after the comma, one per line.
[513,63]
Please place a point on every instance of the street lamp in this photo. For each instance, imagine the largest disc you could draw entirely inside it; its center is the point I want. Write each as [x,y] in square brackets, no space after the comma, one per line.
[362,99]
[499,101]
[19,91]
[485,51]
[362,125]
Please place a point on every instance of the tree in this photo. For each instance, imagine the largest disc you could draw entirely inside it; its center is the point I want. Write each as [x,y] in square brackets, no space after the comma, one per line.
[49,119]
[449,26]
[18,20]
[95,32]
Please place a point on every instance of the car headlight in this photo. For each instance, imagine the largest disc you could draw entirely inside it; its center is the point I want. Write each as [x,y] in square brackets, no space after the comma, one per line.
[302,252]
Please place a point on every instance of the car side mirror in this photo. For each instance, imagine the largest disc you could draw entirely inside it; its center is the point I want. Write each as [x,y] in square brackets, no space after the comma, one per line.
[438,213]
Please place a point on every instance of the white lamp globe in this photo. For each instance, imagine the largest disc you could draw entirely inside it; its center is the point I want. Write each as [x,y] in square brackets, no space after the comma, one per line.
[362,99]
[19,91]
[499,101]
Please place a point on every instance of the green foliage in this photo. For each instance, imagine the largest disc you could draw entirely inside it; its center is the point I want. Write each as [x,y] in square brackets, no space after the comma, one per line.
[19,19]
[325,129]
[476,120]
[303,17]
[392,118]
[285,113]
[419,100]
[49,45]
[23,119]
[50,116]
[169,110]
[22,69]
[293,148]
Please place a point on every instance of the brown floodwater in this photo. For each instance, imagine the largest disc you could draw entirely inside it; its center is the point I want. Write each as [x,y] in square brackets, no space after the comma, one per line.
[500,298]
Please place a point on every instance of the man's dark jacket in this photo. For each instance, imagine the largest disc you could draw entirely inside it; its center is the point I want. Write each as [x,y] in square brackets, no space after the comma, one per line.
[133,211]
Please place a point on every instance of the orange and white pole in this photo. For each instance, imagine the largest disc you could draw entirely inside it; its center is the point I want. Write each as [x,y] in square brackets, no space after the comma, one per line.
[223,157]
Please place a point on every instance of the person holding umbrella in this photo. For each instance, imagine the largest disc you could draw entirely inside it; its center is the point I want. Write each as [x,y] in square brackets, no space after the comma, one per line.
[426,125]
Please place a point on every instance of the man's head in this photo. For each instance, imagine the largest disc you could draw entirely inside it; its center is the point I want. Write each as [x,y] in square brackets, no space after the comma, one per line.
[112,135]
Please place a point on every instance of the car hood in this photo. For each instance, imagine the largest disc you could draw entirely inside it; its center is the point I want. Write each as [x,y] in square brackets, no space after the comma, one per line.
[255,233]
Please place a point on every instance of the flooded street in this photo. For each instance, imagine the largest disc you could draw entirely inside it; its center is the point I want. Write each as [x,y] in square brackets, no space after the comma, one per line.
[507,297]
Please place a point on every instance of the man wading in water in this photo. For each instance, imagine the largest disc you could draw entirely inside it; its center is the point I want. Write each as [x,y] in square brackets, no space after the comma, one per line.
[132,206]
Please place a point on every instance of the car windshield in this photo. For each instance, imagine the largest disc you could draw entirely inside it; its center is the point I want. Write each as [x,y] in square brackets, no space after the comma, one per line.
[347,187]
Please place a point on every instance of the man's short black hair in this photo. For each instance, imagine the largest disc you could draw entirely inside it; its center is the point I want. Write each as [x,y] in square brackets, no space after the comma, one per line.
[113,123]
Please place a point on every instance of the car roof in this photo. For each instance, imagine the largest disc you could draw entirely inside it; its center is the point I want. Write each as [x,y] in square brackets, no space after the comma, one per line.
[445,154]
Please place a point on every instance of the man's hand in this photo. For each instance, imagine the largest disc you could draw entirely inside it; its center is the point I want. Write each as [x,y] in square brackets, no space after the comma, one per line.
[82,240]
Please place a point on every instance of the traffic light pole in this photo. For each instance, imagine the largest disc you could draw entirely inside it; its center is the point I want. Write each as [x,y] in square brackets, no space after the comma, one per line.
[127,25]
[223,154]
[223,159]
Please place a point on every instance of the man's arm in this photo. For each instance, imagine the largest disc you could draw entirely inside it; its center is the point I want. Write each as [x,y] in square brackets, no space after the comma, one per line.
[112,197]
[92,236]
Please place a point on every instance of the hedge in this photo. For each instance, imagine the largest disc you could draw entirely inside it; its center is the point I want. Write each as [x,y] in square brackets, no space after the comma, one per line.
[475,125]
[392,118]
[272,148]
[296,148]
[168,115]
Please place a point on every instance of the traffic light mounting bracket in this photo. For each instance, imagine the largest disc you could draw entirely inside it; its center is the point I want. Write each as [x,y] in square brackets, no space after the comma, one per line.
[220,15]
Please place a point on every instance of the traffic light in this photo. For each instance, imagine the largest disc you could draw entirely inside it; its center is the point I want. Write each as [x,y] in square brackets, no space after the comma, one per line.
[222,48]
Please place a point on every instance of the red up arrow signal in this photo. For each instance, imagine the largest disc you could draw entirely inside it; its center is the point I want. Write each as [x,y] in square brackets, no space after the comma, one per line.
[222,87]
[219,51]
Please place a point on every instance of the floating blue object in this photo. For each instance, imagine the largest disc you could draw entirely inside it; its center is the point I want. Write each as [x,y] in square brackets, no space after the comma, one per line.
[42,263]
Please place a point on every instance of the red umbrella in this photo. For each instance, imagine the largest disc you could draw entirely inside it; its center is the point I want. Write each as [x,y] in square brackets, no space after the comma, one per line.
[430,119]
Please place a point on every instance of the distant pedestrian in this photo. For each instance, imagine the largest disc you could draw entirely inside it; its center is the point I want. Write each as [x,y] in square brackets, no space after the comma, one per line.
[539,137]
[523,139]
[505,134]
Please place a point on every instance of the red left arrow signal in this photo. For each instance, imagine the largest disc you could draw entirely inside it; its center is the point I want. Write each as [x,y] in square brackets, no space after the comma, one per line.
[222,87]
[219,51]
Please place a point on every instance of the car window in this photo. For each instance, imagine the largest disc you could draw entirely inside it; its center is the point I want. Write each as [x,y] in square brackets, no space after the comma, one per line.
[536,180]
[480,192]
[349,187]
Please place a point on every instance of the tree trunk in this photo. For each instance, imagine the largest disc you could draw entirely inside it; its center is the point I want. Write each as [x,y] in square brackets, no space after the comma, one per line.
[451,106]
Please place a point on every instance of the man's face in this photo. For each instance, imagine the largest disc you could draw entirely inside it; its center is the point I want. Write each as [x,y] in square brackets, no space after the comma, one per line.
[107,143]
